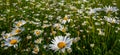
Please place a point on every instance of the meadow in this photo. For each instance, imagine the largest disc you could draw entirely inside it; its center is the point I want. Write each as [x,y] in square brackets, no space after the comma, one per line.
[59,27]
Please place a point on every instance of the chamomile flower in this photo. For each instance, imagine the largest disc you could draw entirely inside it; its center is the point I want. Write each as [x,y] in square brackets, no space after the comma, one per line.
[12,41]
[66,19]
[37,32]
[101,32]
[92,45]
[6,35]
[63,29]
[19,23]
[60,43]
[111,20]
[110,9]
[92,11]
[38,41]
[16,31]
[57,25]
[35,49]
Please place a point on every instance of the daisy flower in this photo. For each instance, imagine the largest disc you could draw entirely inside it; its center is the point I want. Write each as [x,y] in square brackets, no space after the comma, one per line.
[37,32]
[6,35]
[101,32]
[19,23]
[65,19]
[57,25]
[111,20]
[38,41]
[63,29]
[16,31]
[12,41]
[35,49]
[60,43]
[110,9]
[92,11]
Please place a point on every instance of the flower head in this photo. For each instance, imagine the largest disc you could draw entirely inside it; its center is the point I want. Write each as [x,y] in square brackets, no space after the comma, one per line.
[60,43]
[35,49]
[19,23]
[6,35]
[65,19]
[12,41]
[37,32]
[16,31]
[110,9]
[111,20]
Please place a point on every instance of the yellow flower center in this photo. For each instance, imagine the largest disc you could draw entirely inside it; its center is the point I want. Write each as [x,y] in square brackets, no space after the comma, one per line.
[65,18]
[36,49]
[61,45]
[19,24]
[18,30]
[57,27]
[37,32]
[63,30]
[6,37]
[13,41]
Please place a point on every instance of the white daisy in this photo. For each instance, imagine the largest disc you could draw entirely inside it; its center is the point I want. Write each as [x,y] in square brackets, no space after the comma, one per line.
[6,35]
[12,41]
[16,31]
[101,32]
[37,32]
[57,25]
[92,45]
[38,41]
[92,11]
[98,9]
[35,49]
[60,43]
[66,19]
[19,23]
[111,20]
[63,29]
[110,9]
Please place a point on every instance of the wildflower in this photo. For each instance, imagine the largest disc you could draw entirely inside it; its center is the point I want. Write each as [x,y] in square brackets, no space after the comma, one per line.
[35,49]
[12,41]
[29,37]
[65,19]
[20,23]
[97,23]
[53,33]
[85,23]
[98,9]
[92,11]
[92,45]
[16,31]
[67,34]
[57,25]
[6,35]
[76,39]
[60,43]
[101,32]
[69,50]
[110,9]
[37,32]
[111,20]
[63,29]
[38,41]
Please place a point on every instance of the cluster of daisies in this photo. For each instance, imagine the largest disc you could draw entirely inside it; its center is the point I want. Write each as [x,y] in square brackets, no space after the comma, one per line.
[56,25]
[59,43]
[11,39]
